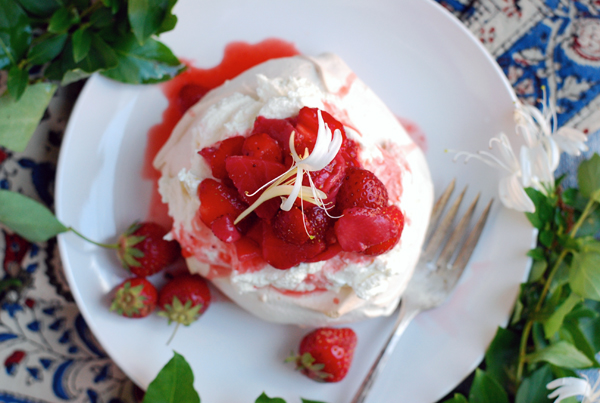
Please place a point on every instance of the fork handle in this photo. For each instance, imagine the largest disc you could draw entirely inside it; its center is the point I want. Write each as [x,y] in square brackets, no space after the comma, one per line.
[405,316]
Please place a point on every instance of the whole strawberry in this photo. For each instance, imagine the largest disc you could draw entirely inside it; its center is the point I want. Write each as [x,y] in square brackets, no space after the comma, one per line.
[183,299]
[325,354]
[143,251]
[134,298]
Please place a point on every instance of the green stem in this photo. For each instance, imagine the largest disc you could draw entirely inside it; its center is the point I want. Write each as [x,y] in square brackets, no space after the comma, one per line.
[91,9]
[527,329]
[103,245]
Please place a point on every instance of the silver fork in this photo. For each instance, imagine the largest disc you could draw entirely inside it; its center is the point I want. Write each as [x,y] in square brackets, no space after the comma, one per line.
[433,279]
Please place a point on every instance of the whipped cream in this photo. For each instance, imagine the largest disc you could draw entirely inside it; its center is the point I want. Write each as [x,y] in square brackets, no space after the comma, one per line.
[347,287]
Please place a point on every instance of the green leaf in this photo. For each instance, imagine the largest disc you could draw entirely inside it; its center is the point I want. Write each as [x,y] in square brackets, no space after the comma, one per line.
[588,177]
[533,388]
[500,355]
[581,341]
[39,8]
[555,321]
[537,254]
[113,5]
[63,19]
[173,384]
[457,398]
[310,401]
[46,50]
[82,42]
[486,389]
[546,237]
[101,18]
[538,268]
[569,196]
[544,211]
[150,63]
[15,33]
[170,19]
[28,218]
[562,354]
[19,119]
[146,17]
[263,398]
[17,82]
[584,275]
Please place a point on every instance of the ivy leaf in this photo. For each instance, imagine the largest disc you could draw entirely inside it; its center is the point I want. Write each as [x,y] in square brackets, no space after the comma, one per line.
[153,62]
[82,41]
[588,178]
[46,50]
[263,398]
[457,398]
[15,33]
[146,17]
[17,82]
[19,119]
[28,218]
[501,354]
[486,389]
[562,354]
[584,275]
[538,268]
[173,384]
[63,19]
[533,388]
[556,319]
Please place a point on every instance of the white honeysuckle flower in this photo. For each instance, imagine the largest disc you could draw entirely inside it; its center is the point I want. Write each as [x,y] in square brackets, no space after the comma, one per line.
[289,183]
[571,386]
[571,141]
[512,187]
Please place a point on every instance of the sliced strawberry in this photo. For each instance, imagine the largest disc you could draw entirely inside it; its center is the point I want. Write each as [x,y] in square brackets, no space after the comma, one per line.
[361,188]
[329,179]
[291,226]
[247,249]
[216,155]
[318,221]
[263,147]
[216,200]
[255,232]
[278,129]
[398,218]
[189,95]
[283,255]
[224,229]
[327,254]
[350,150]
[361,227]
[248,175]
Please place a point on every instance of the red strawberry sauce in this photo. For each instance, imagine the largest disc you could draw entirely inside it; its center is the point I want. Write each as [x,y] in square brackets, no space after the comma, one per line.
[237,58]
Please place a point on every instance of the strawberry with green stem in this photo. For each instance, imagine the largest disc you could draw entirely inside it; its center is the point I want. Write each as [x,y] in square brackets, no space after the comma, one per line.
[142,248]
[325,354]
[134,298]
[183,299]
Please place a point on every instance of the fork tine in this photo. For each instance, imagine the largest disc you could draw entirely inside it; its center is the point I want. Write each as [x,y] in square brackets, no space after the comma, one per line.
[439,206]
[457,235]
[467,250]
[442,229]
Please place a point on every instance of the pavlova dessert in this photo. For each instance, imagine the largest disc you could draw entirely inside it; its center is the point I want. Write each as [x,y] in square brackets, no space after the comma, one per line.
[298,193]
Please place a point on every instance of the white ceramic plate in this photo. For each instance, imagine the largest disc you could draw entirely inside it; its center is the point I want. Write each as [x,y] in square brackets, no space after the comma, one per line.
[427,67]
